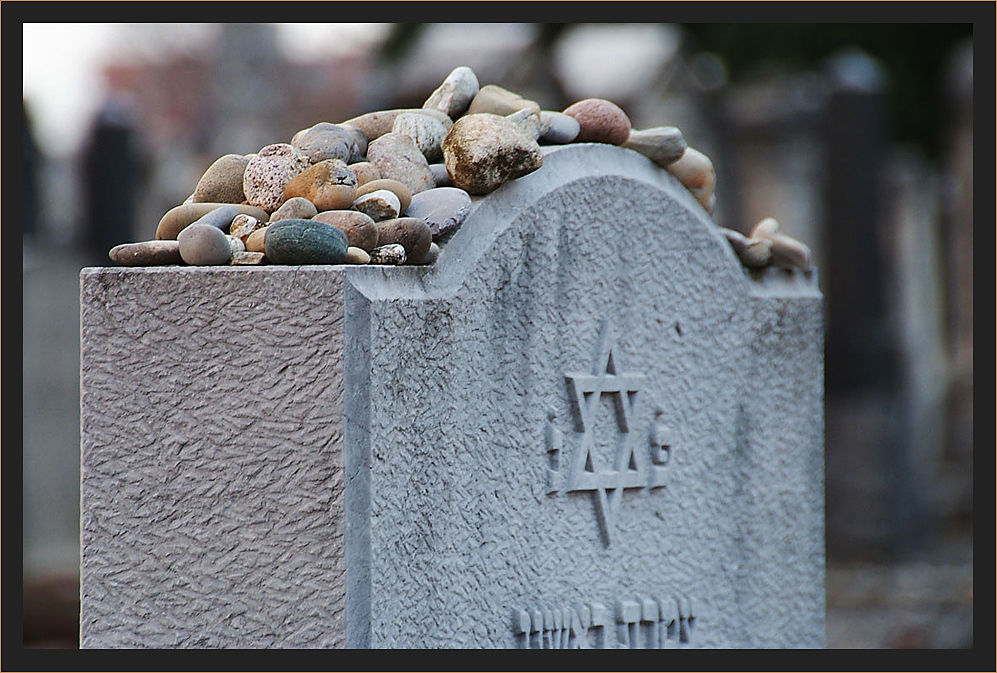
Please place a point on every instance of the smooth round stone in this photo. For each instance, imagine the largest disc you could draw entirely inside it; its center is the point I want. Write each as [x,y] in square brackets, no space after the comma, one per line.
[295,208]
[204,245]
[182,216]
[484,151]
[304,242]
[243,225]
[403,193]
[444,209]
[381,204]
[695,171]
[529,120]
[222,181]
[365,171]
[557,128]
[146,253]
[440,175]
[329,185]
[326,141]
[359,139]
[496,100]
[427,132]
[248,258]
[375,124]
[455,94]
[663,145]
[397,157]
[357,256]
[411,233]
[359,228]
[269,172]
[600,121]
[254,242]
[392,253]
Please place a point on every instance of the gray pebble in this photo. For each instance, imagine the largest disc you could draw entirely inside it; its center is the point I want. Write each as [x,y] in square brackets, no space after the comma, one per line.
[664,145]
[204,245]
[557,128]
[443,209]
[397,157]
[440,175]
[455,94]
[296,207]
[427,132]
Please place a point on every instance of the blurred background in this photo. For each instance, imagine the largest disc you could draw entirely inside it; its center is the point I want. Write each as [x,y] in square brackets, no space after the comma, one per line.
[857,138]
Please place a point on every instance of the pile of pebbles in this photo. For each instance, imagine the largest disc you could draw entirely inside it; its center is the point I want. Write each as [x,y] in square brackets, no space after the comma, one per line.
[389,187]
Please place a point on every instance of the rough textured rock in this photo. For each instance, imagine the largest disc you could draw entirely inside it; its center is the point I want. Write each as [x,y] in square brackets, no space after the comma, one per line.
[426,131]
[329,185]
[484,151]
[244,225]
[365,171]
[222,181]
[455,94]
[375,124]
[146,253]
[304,242]
[599,121]
[392,254]
[268,173]
[397,157]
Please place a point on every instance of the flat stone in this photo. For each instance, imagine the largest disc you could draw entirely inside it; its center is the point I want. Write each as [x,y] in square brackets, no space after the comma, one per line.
[664,145]
[557,128]
[304,242]
[600,121]
[391,254]
[179,217]
[375,124]
[426,131]
[359,228]
[269,172]
[146,253]
[381,204]
[397,157]
[222,181]
[403,193]
[204,245]
[443,209]
[248,258]
[499,101]
[484,151]
[455,94]
[326,140]
[296,208]
[329,185]
[410,232]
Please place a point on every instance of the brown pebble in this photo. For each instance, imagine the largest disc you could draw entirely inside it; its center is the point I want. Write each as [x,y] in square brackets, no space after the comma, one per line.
[147,253]
[411,232]
[254,242]
[359,228]
[401,190]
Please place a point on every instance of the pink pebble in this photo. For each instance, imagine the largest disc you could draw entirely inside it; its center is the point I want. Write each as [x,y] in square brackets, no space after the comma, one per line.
[600,121]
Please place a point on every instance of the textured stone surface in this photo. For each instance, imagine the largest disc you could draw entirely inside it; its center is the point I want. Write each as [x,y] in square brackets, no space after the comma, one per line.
[224,521]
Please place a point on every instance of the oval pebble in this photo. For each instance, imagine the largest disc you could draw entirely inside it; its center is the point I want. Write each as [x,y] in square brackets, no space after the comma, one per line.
[325,141]
[410,232]
[296,207]
[664,145]
[444,209]
[357,256]
[222,181]
[204,245]
[254,242]
[304,242]
[179,217]
[499,101]
[557,128]
[146,253]
[397,157]
[599,121]
[359,228]
[365,172]
[427,132]
[329,185]
[455,94]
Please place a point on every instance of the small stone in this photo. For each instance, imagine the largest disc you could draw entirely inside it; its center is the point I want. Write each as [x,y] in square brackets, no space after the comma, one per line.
[359,140]
[375,124]
[403,193]
[444,209]
[359,228]
[179,217]
[381,204]
[220,217]
[222,181]
[397,157]
[393,253]
[557,128]
[455,94]
[432,255]
[498,101]
[600,121]
[529,120]
[248,258]
[765,228]
[787,252]
[269,172]
[254,242]
[235,243]
[427,132]
[753,252]
[357,256]
[365,171]
[664,145]
[243,225]
[146,253]
[304,242]
[326,141]
[410,232]
[329,185]
[694,171]
[204,245]
[484,151]
[296,208]
[440,175]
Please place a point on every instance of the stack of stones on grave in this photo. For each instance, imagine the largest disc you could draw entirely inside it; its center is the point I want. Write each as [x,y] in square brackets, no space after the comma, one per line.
[389,187]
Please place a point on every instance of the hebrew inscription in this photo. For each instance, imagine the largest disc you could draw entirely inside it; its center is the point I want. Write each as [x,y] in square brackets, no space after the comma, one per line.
[632,467]
[635,623]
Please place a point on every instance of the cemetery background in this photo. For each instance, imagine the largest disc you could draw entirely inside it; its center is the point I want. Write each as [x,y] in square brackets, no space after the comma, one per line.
[888,213]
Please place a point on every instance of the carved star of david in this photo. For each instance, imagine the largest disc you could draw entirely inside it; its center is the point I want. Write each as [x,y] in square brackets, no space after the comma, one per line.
[627,471]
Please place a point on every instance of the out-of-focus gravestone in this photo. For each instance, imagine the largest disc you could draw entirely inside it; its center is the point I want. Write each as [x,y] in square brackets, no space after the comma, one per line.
[585,426]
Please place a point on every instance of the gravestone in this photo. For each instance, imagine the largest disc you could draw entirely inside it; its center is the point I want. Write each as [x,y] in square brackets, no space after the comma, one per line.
[586,425]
